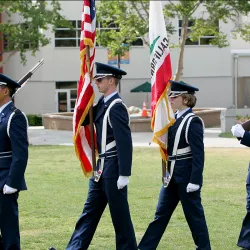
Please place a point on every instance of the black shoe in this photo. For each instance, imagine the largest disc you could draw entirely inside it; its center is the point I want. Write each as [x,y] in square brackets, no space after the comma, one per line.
[52,248]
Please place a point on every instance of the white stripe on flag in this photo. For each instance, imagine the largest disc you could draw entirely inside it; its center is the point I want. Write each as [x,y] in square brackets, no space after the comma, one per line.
[86,10]
[87,27]
[85,145]
[157,28]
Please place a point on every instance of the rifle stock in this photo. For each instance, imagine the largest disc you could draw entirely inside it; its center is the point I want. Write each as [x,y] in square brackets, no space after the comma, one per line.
[246,126]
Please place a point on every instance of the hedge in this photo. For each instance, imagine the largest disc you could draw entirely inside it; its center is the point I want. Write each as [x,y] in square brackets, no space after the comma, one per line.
[35,120]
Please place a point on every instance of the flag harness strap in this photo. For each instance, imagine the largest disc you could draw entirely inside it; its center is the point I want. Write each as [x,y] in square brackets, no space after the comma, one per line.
[106,147]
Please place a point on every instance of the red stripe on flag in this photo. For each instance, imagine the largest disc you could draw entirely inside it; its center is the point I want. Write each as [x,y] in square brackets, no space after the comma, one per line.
[87,18]
[163,75]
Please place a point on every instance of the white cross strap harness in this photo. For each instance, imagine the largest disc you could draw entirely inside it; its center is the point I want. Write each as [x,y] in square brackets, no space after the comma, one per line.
[106,149]
[183,153]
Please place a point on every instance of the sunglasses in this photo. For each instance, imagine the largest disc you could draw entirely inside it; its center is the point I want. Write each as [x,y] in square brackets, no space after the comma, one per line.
[99,80]
[174,97]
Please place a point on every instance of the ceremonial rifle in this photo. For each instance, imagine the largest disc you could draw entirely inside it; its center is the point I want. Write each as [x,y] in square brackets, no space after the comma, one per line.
[27,76]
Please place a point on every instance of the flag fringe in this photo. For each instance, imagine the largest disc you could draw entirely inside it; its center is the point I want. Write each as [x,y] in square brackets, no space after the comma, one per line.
[86,111]
[164,130]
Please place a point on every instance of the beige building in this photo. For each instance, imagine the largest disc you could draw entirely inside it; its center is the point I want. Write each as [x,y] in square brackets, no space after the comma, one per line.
[53,87]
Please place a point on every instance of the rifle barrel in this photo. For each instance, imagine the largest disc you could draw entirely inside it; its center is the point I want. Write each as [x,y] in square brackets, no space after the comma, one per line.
[37,66]
[30,73]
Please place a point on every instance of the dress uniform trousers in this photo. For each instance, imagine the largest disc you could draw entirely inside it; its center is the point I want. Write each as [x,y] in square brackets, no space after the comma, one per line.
[9,222]
[244,238]
[193,210]
[100,193]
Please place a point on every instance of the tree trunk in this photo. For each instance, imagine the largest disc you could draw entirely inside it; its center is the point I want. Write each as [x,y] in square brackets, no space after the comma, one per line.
[184,34]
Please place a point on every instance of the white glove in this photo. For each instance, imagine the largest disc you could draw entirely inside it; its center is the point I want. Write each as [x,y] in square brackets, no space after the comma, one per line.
[122,182]
[238,130]
[192,187]
[8,190]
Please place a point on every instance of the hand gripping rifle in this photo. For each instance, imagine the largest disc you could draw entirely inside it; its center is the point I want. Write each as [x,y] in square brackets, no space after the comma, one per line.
[27,76]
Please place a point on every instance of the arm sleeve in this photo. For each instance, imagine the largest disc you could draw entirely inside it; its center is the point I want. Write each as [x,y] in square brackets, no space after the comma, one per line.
[246,139]
[19,144]
[195,139]
[122,134]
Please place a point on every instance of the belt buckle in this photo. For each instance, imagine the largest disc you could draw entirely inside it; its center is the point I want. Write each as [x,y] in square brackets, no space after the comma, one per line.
[166,179]
[97,175]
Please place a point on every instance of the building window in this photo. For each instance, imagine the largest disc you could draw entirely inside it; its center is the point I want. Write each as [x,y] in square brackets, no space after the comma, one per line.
[203,40]
[66,94]
[112,26]
[67,37]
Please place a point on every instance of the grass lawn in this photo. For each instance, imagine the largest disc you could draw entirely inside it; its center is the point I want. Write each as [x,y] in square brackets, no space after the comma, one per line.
[57,191]
[226,135]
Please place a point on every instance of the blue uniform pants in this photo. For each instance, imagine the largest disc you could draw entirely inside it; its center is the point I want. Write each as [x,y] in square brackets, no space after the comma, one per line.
[100,193]
[244,238]
[193,210]
[9,222]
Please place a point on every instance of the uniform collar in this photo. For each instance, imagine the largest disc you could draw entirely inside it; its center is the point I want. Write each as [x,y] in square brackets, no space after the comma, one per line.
[180,113]
[106,98]
[4,106]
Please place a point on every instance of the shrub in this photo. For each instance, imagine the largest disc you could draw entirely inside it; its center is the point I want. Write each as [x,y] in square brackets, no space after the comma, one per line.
[35,120]
[241,119]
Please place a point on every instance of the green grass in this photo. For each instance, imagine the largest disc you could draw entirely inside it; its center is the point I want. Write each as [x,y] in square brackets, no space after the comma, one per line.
[57,191]
[226,135]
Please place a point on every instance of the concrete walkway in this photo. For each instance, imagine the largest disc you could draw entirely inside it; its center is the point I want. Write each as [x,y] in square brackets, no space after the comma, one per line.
[41,136]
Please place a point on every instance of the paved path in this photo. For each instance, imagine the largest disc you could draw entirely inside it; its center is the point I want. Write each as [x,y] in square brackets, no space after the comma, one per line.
[41,136]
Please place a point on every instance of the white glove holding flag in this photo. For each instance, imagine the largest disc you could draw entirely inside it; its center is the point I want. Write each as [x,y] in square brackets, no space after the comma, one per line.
[192,187]
[8,190]
[238,130]
[122,182]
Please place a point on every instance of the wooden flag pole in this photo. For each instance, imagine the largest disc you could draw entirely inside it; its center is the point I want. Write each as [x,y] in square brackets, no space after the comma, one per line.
[164,172]
[91,117]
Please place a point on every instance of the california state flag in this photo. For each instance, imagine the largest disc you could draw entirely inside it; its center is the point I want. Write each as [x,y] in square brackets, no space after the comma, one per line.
[161,72]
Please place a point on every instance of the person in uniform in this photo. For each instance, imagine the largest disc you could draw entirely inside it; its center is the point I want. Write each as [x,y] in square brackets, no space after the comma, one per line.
[109,185]
[244,237]
[185,164]
[13,162]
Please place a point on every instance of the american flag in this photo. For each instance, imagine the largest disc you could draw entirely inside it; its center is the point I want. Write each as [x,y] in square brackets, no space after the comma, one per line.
[85,92]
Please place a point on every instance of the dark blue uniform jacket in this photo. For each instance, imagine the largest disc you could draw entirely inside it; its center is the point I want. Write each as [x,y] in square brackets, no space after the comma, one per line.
[120,132]
[188,170]
[13,148]
[246,141]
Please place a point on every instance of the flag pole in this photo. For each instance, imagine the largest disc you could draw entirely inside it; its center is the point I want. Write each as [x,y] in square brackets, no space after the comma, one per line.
[91,117]
[164,172]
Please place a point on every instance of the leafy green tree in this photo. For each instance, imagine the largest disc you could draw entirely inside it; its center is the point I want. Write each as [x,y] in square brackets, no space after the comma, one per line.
[131,20]
[27,34]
